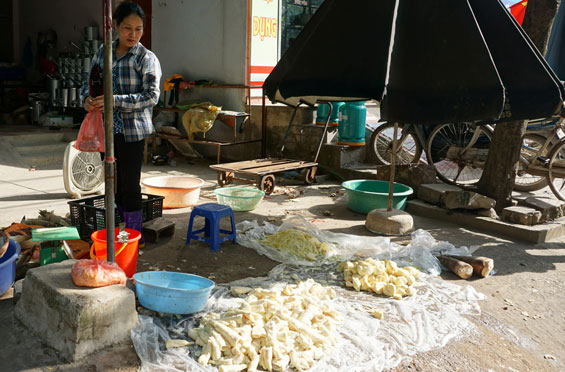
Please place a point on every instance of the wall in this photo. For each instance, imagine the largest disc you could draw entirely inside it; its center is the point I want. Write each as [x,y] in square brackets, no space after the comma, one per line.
[203,39]
[67,18]
[200,39]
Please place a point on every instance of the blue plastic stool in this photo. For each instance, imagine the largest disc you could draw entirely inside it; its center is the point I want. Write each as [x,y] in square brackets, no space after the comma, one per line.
[212,213]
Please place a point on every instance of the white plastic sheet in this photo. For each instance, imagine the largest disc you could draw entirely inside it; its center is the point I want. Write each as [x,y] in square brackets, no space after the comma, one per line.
[427,320]
[420,252]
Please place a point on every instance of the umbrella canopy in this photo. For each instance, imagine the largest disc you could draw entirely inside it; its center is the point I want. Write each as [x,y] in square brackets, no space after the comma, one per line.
[426,61]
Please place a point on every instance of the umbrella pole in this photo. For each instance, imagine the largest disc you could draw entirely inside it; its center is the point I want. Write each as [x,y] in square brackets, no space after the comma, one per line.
[109,160]
[392,168]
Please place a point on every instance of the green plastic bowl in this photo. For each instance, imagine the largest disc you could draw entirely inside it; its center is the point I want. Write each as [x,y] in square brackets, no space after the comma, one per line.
[365,195]
[240,199]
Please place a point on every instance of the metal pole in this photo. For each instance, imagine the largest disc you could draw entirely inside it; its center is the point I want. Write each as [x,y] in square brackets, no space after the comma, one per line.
[392,168]
[109,160]
[263,126]
[324,132]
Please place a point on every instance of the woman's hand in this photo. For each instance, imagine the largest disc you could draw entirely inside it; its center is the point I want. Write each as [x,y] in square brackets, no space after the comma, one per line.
[96,103]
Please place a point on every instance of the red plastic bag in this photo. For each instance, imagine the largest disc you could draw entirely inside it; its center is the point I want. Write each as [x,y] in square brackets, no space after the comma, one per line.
[91,134]
[95,273]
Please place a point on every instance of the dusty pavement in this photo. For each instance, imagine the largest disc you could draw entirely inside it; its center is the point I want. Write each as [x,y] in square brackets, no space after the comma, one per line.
[521,328]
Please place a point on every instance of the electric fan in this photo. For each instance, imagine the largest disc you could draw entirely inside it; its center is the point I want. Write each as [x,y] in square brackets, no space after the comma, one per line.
[83,172]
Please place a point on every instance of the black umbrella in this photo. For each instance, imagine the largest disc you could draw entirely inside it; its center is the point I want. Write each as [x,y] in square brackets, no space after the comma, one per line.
[425,61]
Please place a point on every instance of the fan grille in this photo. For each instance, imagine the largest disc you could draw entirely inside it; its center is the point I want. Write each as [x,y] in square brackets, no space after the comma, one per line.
[87,170]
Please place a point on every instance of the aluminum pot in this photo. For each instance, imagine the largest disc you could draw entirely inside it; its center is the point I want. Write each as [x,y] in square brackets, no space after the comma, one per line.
[37,108]
[52,87]
[90,32]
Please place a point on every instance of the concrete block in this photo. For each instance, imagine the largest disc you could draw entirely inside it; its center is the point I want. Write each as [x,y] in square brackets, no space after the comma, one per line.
[550,209]
[466,200]
[490,213]
[337,156]
[394,222]
[76,321]
[413,175]
[158,228]
[540,233]
[432,193]
[521,215]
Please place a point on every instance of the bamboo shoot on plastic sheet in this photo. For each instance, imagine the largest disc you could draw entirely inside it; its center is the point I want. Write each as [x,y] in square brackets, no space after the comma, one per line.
[363,343]
[337,246]
[282,334]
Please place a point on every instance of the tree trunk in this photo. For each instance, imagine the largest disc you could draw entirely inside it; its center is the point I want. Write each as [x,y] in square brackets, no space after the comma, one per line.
[499,173]
[538,21]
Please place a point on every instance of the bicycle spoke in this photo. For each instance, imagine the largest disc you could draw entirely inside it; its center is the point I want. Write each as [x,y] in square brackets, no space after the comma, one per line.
[408,150]
[528,175]
[458,152]
[556,170]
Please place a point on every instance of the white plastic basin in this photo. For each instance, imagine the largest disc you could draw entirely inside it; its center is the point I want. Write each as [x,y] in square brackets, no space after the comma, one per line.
[179,191]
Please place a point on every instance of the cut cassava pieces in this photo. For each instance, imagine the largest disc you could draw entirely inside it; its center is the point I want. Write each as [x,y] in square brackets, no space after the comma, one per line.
[482,266]
[273,329]
[382,277]
[460,268]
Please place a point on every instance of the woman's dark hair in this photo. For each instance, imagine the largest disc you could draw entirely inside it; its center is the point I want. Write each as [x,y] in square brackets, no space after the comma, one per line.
[126,9]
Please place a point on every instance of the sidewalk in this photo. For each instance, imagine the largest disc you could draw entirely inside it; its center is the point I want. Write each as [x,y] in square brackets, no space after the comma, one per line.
[521,327]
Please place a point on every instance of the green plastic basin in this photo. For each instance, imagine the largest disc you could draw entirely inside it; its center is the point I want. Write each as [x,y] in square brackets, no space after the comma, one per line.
[365,195]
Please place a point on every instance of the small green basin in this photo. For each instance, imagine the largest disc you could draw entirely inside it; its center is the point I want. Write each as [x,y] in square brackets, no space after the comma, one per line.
[365,195]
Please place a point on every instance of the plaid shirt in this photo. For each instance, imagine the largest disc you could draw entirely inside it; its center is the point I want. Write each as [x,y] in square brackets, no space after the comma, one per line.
[136,77]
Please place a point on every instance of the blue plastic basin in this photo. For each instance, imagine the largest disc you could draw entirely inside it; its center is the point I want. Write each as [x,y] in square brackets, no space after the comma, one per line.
[172,293]
[365,195]
[8,266]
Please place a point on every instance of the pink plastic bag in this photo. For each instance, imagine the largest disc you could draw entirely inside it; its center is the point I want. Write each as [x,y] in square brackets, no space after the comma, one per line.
[91,134]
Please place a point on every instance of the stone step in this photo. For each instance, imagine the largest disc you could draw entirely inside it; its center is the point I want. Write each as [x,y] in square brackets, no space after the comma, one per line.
[41,160]
[42,148]
[37,138]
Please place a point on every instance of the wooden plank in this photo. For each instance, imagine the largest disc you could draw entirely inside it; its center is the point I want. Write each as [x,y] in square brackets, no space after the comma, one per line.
[246,164]
[283,168]
[258,168]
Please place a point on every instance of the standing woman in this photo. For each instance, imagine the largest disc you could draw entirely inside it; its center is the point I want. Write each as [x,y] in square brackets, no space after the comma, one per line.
[136,75]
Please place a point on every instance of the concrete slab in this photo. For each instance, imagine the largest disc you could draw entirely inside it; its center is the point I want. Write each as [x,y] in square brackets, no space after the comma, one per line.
[73,320]
[535,234]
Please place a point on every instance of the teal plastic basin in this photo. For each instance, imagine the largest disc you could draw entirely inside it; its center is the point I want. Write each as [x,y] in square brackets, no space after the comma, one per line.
[365,195]
[172,293]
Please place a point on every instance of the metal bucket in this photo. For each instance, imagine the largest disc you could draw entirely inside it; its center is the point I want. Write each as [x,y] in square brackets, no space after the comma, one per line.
[94,45]
[52,87]
[37,108]
[90,33]
[86,64]
[64,96]
[73,97]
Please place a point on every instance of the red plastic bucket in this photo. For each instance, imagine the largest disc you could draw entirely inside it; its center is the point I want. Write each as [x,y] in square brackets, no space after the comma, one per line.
[126,253]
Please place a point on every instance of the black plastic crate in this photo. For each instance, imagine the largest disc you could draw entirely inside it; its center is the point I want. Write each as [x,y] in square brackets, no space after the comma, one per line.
[89,214]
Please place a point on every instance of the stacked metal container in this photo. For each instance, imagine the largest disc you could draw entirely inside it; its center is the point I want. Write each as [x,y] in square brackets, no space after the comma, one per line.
[73,70]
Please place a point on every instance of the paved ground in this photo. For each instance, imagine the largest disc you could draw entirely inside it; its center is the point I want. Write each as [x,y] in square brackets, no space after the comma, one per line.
[522,327]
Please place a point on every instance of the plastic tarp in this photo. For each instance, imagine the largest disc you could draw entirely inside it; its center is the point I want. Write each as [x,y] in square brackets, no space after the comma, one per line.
[434,316]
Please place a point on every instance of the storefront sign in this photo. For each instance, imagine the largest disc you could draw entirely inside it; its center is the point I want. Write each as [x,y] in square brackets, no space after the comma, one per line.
[264,40]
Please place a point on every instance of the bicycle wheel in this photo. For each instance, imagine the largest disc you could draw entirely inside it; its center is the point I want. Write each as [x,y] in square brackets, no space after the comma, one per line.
[556,170]
[458,152]
[525,181]
[408,151]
